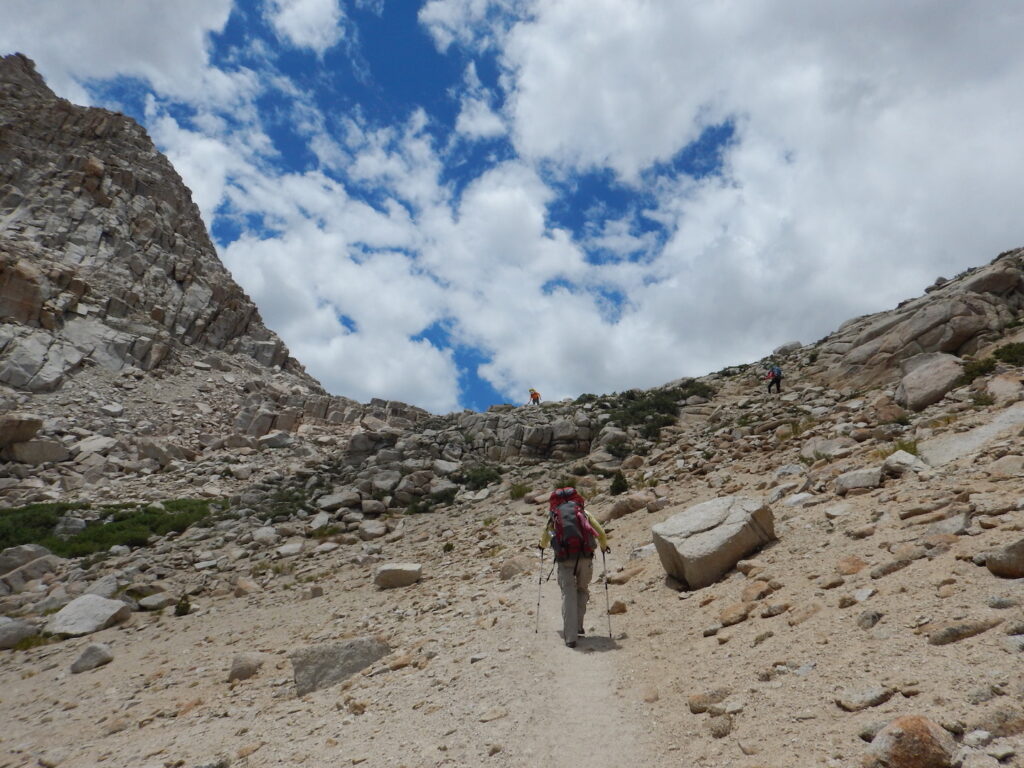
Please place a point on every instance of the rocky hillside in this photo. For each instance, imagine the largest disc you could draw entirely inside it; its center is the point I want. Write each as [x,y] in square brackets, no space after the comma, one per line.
[205,560]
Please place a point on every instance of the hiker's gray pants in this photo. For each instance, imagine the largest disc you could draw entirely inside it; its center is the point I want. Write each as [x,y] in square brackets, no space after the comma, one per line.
[575,594]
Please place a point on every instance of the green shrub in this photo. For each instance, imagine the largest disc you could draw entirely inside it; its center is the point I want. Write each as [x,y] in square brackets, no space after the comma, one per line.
[419,507]
[619,447]
[580,470]
[975,368]
[183,606]
[517,490]
[445,497]
[123,524]
[619,484]
[448,546]
[651,411]
[910,446]
[1011,353]
[31,524]
[565,481]
[478,476]
[585,398]
[32,641]
[326,531]
[983,400]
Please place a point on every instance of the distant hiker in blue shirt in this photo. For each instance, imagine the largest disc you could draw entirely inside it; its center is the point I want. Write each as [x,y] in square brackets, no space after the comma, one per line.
[774,377]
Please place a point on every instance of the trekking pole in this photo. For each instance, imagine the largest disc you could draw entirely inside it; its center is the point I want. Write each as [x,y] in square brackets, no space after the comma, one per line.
[607,603]
[540,583]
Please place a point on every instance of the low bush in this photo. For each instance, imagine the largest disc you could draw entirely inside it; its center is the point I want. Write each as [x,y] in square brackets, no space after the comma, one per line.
[620,447]
[653,410]
[478,476]
[909,446]
[419,507]
[445,497]
[619,484]
[120,524]
[517,490]
[975,368]
[1011,353]
[183,606]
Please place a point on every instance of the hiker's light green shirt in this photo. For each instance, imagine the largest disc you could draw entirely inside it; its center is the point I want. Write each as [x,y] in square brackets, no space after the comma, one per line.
[602,540]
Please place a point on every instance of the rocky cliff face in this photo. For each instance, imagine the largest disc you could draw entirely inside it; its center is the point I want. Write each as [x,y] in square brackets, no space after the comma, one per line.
[955,317]
[104,259]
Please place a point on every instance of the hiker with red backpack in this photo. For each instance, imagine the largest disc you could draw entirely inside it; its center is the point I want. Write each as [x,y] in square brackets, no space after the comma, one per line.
[774,377]
[574,536]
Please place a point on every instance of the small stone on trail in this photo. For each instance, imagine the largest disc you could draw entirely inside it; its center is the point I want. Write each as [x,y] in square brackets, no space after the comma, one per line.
[720,726]
[735,613]
[244,666]
[954,632]
[392,575]
[911,741]
[617,607]
[492,714]
[868,619]
[854,700]
[700,702]
[95,655]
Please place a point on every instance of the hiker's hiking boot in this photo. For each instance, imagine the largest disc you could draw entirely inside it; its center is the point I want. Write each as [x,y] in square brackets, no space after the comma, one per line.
[571,644]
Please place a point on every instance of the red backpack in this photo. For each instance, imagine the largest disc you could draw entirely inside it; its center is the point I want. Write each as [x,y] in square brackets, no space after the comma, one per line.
[572,534]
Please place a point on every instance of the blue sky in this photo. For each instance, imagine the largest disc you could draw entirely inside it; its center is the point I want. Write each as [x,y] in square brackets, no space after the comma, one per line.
[447,202]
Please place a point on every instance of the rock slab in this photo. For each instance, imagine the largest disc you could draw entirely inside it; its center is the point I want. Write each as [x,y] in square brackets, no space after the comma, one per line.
[95,655]
[320,666]
[87,614]
[699,545]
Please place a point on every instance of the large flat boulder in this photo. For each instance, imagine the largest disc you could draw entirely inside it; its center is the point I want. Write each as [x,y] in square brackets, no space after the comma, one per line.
[320,666]
[927,378]
[85,615]
[700,544]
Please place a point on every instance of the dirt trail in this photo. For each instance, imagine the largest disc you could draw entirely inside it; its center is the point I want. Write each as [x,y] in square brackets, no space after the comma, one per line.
[576,710]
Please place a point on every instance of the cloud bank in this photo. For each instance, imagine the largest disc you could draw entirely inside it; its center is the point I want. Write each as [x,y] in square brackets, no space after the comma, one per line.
[610,195]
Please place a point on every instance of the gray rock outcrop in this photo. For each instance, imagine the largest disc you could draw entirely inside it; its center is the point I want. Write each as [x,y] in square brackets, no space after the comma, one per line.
[954,317]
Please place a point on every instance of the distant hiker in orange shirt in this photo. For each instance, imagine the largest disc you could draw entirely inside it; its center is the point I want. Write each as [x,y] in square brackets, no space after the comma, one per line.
[534,396]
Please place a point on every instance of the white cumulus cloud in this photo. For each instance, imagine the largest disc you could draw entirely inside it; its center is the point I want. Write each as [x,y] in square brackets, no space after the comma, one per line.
[314,24]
